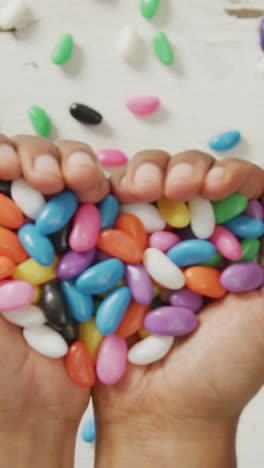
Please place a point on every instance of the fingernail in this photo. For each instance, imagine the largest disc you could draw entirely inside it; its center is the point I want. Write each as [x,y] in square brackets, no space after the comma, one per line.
[80,158]
[215,174]
[48,164]
[8,154]
[148,174]
[179,172]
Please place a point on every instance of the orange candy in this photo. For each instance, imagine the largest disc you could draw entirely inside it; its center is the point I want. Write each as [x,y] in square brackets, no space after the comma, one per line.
[133,319]
[205,281]
[10,246]
[120,245]
[7,267]
[133,227]
[10,215]
[79,365]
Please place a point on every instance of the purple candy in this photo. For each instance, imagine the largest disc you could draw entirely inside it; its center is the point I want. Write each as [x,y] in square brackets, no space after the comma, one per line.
[186,233]
[72,264]
[186,298]
[163,240]
[254,210]
[262,34]
[171,321]
[101,256]
[242,277]
[139,283]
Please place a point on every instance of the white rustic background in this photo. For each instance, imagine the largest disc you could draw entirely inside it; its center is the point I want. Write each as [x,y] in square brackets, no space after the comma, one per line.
[212,87]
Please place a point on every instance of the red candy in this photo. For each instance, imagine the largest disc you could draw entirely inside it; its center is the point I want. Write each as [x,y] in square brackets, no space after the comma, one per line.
[10,246]
[10,215]
[79,365]
[133,227]
[133,319]
[120,245]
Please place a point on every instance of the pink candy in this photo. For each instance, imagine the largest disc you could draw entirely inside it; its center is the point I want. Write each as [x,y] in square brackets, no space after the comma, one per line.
[143,105]
[86,227]
[163,240]
[15,295]
[111,360]
[112,157]
[226,243]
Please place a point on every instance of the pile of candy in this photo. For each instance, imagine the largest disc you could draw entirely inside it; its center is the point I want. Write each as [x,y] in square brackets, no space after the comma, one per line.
[80,279]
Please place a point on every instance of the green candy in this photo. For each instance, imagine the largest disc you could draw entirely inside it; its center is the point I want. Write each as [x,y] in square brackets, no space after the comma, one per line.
[250,248]
[40,121]
[229,207]
[149,8]
[163,48]
[214,261]
[62,51]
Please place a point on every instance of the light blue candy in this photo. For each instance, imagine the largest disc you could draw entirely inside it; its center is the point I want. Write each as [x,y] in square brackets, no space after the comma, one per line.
[245,227]
[37,246]
[191,252]
[109,209]
[111,311]
[80,305]
[225,141]
[101,277]
[56,213]
[88,432]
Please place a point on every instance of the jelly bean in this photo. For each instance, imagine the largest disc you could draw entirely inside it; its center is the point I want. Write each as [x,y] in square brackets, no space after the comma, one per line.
[72,264]
[40,121]
[88,431]
[35,273]
[149,8]
[229,207]
[112,310]
[202,217]
[109,208]
[143,333]
[171,321]
[127,42]
[10,215]
[242,277]
[37,294]
[186,233]
[5,187]
[79,365]
[109,157]
[70,332]
[262,34]
[119,244]
[156,290]
[29,200]
[162,269]
[46,341]
[122,282]
[38,247]
[151,349]
[163,49]
[157,302]
[54,305]
[175,213]
[163,240]
[139,283]
[86,227]
[250,249]
[85,114]
[143,105]
[204,281]
[63,50]
[101,256]
[15,295]
[191,252]
[133,227]
[7,267]
[29,316]
[60,239]
[111,360]
[245,227]
[186,298]
[148,215]
[15,15]
[133,319]
[57,213]
[226,243]
[214,262]
[91,337]
[101,277]
[254,210]
[225,141]
[165,295]
[80,305]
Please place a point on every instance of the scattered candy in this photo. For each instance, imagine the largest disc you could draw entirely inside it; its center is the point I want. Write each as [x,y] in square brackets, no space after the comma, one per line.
[127,42]
[88,432]
[63,50]
[149,8]
[225,141]
[85,114]
[163,49]
[112,157]
[40,121]
[143,105]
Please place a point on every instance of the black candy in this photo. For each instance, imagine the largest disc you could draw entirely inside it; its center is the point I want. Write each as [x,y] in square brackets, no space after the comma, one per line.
[60,239]
[70,332]
[5,187]
[54,306]
[85,114]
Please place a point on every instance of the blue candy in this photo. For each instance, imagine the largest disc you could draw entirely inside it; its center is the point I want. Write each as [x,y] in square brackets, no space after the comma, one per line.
[111,311]
[80,305]
[245,227]
[109,209]
[101,277]
[88,432]
[191,252]
[37,246]
[225,141]
[57,213]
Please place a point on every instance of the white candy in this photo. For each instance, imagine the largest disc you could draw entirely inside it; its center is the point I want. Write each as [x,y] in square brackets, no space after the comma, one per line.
[162,269]
[15,15]
[127,42]
[150,349]
[46,341]
[26,317]
[202,217]
[29,200]
[148,215]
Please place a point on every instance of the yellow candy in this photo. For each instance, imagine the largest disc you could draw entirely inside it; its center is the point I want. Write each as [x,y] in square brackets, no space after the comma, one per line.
[37,290]
[122,282]
[143,333]
[34,273]
[156,290]
[175,213]
[91,337]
